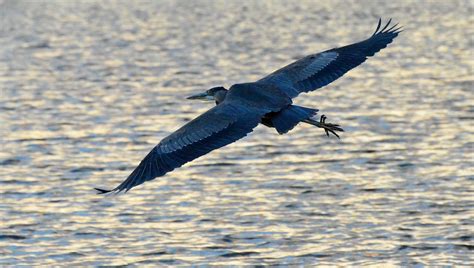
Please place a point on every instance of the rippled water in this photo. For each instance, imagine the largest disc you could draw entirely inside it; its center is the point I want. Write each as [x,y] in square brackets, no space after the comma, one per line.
[89,88]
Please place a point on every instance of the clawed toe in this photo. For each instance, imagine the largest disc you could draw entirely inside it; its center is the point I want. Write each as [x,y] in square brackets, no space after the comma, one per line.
[328,127]
[332,131]
[322,120]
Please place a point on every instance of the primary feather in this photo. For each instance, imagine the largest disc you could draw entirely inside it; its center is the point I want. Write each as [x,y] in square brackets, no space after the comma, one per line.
[318,70]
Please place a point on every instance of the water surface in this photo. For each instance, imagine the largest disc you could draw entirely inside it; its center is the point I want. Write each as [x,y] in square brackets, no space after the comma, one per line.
[87,89]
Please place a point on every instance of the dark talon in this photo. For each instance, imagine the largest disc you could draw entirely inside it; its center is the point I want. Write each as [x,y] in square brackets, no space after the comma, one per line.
[328,127]
[335,134]
[323,119]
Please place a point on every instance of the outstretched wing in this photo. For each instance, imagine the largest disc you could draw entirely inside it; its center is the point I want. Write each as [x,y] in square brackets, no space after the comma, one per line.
[219,126]
[317,70]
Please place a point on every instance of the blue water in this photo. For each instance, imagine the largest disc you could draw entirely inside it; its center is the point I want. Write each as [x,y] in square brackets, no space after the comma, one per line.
[88,88]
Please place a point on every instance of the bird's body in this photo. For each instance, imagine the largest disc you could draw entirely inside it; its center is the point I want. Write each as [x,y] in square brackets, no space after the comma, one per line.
[267,101]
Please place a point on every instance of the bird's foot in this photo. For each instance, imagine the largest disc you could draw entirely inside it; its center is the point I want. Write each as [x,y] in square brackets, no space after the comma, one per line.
[328,127]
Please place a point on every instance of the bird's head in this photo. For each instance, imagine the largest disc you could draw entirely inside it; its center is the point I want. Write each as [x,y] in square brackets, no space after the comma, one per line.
[214,94]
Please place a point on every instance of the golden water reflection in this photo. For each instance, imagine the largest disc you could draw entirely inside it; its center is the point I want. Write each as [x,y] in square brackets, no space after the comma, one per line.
[89,88]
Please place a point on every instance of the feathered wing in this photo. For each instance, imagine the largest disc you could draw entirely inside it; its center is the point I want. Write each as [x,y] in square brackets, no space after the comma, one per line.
[219,126]
[317,70]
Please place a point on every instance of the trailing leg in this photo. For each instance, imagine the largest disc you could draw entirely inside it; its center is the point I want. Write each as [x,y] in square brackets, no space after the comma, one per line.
[328,127]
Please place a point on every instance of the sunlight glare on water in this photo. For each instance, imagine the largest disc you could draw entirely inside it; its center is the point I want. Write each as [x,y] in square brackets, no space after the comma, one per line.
[88,88]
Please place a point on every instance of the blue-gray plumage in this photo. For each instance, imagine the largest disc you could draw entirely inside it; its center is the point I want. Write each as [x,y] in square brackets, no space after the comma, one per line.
[268,101]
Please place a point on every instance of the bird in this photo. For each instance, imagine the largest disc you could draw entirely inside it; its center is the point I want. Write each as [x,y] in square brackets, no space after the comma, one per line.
[268,101]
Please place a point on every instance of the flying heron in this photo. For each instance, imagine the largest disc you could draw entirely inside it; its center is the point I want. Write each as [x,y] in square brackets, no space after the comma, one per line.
[268,101]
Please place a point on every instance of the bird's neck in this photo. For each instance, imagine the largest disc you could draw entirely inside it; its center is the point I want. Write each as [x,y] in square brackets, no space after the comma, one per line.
[220,96]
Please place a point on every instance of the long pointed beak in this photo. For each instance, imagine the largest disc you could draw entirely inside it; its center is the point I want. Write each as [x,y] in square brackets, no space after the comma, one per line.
[200,96]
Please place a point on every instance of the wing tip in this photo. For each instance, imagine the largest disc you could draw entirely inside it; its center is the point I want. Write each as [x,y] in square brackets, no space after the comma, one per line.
[143,172]
[385,29]
[102,191]
[378,26]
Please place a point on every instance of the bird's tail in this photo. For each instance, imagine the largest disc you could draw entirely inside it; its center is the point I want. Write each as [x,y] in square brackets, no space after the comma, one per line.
[288,118]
